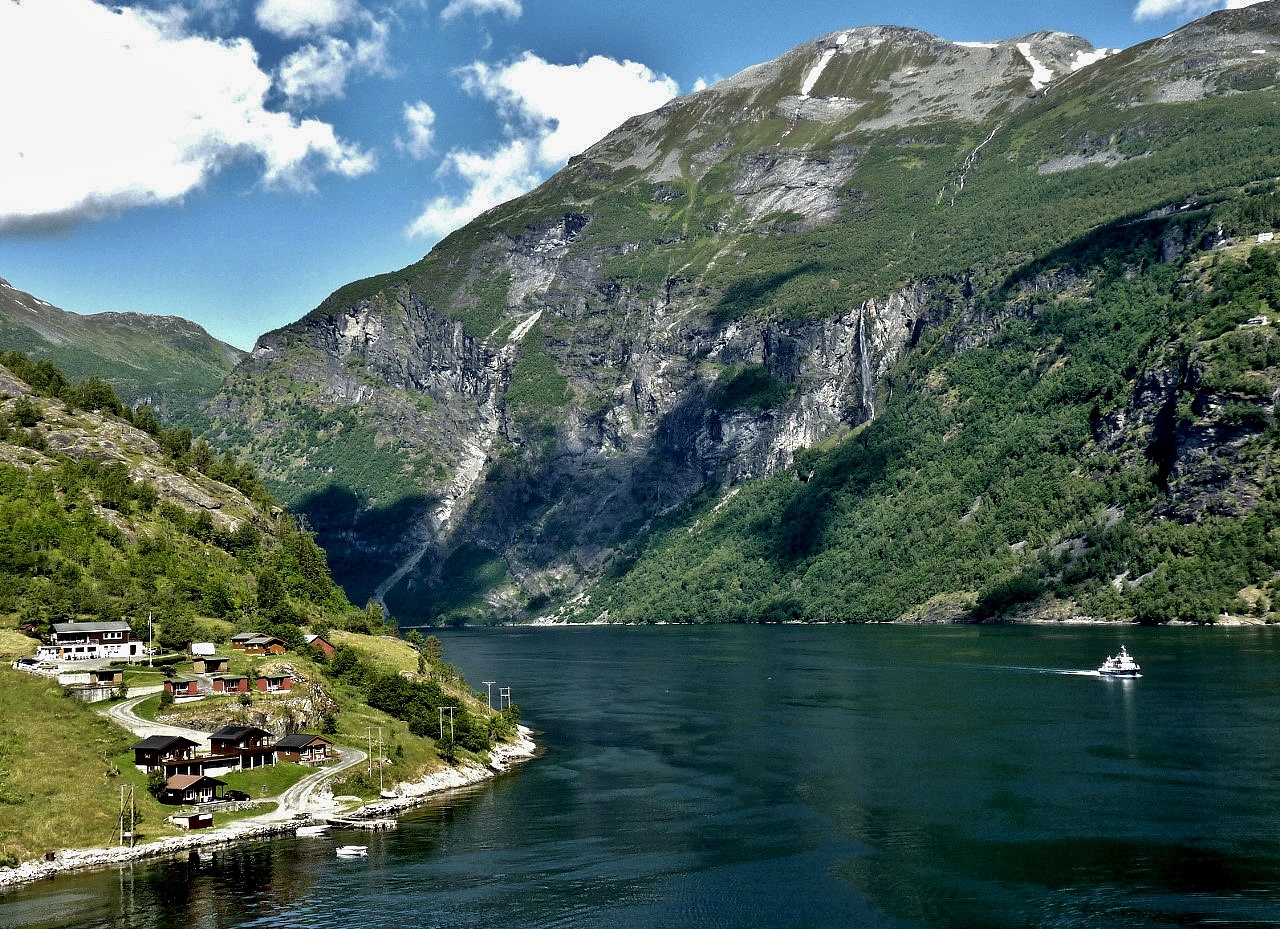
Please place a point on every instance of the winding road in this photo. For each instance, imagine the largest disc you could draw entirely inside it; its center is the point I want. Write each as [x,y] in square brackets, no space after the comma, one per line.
[304,798]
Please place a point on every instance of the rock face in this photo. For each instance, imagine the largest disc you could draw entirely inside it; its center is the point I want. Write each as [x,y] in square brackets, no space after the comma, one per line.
[708,289]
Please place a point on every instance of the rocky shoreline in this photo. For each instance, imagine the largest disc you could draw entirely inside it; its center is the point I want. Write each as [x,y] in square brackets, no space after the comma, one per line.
[501,758]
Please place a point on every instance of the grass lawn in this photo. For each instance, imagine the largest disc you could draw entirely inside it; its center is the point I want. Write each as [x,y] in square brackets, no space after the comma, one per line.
[62,791]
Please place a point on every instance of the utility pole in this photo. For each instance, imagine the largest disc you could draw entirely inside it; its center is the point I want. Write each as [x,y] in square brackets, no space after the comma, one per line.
[369,732]
[450,709]
[504,693]
[150,639]
[489,687]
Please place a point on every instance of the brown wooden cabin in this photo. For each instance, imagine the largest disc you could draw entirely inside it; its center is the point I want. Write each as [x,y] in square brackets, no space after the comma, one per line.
[264,645]
[192,788]
[304,748]
[250,745]
[210,664]
[155,750]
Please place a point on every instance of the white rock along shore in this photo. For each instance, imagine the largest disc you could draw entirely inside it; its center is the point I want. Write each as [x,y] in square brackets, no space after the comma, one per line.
[501,758]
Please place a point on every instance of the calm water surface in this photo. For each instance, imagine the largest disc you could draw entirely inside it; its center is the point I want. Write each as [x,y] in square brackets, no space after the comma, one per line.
[801,777]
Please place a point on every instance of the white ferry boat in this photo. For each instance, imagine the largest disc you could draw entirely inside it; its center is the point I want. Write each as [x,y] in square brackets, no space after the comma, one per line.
[1120,665]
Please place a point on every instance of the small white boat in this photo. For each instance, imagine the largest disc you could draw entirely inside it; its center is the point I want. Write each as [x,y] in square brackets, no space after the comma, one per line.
[312,829]
[1120,665]
[352,851]
[389,795]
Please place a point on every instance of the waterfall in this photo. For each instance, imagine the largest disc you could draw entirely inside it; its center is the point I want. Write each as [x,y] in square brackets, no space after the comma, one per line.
[864,365]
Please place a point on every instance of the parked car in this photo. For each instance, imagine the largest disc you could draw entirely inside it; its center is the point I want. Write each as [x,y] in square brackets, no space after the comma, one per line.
[237,795]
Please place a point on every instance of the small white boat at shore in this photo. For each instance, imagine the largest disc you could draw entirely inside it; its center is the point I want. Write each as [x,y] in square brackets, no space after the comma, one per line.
[352,851]
[1120,664]
[312,829]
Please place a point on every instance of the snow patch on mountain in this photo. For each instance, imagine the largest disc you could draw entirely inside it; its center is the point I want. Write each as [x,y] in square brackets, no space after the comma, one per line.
[1083,59]
[1040,75]
[816,71]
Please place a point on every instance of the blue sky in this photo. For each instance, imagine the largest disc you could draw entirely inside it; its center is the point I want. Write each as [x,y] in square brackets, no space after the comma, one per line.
[235,161]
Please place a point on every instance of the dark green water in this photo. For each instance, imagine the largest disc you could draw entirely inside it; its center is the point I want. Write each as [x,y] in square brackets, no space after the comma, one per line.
[802,777]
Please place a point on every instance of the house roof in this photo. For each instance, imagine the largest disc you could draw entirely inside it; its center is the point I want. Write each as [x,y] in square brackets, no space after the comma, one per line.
[272,676]
[238,732]
[160,742]
[263,640]
[73,627]
[183,679]
[244,636]
[231,677]
[311,637]
[301,740]
[187,781]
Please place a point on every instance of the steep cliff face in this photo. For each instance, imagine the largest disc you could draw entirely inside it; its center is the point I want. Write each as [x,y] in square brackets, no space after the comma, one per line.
[717,285]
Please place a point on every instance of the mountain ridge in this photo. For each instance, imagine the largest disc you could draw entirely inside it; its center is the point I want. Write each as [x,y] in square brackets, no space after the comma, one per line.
[167,362]
[726,282]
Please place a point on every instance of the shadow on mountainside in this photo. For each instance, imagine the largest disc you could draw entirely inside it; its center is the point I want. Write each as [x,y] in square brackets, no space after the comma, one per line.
[364,545]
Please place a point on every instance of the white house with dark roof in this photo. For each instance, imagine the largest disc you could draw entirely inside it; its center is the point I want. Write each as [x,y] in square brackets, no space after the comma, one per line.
[91,641]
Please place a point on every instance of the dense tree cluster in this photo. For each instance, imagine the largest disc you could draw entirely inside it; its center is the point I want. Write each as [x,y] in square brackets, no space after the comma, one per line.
[85,540]
[992,474]
[422,702]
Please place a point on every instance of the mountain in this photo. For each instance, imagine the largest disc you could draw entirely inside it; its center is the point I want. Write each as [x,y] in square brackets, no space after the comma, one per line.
[164,361]
[890,326]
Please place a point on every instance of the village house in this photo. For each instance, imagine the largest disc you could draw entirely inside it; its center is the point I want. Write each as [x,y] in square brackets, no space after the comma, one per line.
[210,664]
[258,643]
[106,677]
[90,642]
[231,684]
[183,687]
[304,748]
[155,750]
[192,788]
[274,682]
[249,745]
[320,642]
[238,640]
[94,685]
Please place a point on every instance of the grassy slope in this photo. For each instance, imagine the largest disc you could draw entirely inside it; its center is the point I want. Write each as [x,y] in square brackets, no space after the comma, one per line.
[62,764]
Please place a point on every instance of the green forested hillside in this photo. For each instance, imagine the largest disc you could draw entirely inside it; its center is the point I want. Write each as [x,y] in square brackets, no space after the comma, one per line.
[107,514]
[1110,450]
[925,337]
[165,362]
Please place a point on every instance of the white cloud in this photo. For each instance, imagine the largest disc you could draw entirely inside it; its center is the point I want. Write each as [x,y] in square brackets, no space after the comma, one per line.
[509,8]
[552,112]
[489,180]
[1156,9]
[142,114]
[319,71]
[295,19]
[419,121]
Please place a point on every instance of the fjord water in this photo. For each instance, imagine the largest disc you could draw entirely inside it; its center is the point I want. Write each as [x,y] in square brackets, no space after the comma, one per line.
[801,776]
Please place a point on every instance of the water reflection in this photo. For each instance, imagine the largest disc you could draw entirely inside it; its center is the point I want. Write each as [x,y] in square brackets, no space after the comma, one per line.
[780,777]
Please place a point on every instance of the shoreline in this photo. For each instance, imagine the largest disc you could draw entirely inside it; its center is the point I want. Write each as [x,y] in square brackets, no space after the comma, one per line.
[1229,622]
[502,758]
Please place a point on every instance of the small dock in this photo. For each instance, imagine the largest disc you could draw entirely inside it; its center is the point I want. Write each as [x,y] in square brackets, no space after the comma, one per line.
[369,825]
